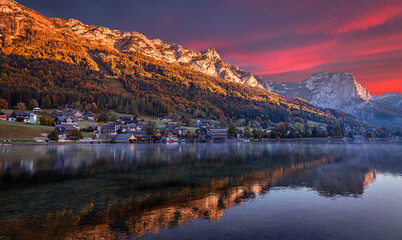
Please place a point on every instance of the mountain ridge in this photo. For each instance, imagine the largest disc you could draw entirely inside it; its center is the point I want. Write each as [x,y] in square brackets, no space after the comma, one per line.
[393,98]
[208,61]
[343,92]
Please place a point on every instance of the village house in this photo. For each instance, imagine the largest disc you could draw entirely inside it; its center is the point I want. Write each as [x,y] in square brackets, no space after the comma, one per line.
[208,134]
[127,120]
[172,135]
[24,116]
[64,130]
[218,133]
[203,135]
[200,123]
[66,120]
[109,129]
[139,134]
[124,138]
[58,113]
[128,128]
[77,113]
[157,138]
[89,116]
[11,118]
[182,131]
[37,110]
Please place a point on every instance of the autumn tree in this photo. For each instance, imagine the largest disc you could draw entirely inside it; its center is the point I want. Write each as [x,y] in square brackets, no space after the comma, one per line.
[257,134]
[188,122]
[247,132]
[3,103]
[76,135]
[316,131]
[47,121]
[53,136]
[151,128]
[232,132]
[46,102]
[94,107]
[102,117]
[33,104]
[21,106]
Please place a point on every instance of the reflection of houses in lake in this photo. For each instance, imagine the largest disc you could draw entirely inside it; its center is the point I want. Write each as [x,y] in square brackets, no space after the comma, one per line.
[177,205]
[146,188]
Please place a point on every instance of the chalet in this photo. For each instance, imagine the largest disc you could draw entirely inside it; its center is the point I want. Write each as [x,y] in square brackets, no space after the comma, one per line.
[145,138]
[128,128]
[124,138]
[77,113]
[182,131]
[22,116]
[89,116]
[157,138]
[58,113]
[172,135]
[66,120]
[64,130]
[67,114]
[203,135]
[218,133]
[37,110]
[200,123]
[11,118]
[109,129]
[95,128]
[208,134]
[139,133]
[127,120]
[138,127]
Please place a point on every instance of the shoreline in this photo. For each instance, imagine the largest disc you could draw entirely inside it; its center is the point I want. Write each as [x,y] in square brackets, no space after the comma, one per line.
[226,141]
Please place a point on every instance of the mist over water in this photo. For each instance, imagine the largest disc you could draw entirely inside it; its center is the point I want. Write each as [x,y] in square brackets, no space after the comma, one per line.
[193,191]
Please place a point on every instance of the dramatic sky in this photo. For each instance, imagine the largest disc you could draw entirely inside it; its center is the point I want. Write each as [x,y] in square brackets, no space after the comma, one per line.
[283,40]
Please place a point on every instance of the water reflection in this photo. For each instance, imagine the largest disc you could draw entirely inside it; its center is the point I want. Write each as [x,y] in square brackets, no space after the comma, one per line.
[118,191]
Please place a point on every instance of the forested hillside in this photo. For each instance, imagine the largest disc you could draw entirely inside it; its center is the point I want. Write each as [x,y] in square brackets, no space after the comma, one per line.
[42,59]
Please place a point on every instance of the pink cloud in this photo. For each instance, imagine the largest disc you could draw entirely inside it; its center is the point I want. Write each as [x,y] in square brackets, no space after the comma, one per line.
[373,19]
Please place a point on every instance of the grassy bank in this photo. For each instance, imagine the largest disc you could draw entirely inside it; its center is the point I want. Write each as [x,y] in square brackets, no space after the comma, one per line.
[21,131]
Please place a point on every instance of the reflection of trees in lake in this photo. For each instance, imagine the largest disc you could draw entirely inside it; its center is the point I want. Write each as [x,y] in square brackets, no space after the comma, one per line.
[133,190]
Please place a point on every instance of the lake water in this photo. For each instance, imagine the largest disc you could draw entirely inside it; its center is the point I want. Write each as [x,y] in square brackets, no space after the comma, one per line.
[202,191]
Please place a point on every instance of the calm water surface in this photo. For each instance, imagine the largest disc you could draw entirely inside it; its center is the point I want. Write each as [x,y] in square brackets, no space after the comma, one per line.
[202,191]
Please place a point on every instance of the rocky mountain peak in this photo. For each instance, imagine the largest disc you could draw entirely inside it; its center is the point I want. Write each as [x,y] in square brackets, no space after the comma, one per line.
[345,83]
[343,92]
[212,54]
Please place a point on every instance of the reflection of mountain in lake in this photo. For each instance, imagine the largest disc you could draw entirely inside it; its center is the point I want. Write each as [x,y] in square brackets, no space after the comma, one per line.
[119,191]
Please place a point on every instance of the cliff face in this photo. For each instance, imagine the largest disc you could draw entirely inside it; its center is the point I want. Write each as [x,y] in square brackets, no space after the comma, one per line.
[341,91]
[328,90]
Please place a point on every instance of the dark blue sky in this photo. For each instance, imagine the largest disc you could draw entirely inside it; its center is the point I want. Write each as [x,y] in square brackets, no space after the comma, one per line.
[281,40]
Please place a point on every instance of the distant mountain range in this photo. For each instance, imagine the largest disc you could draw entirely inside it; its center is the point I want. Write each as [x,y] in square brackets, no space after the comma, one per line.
[343,92]
[393,99]
[59,61]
